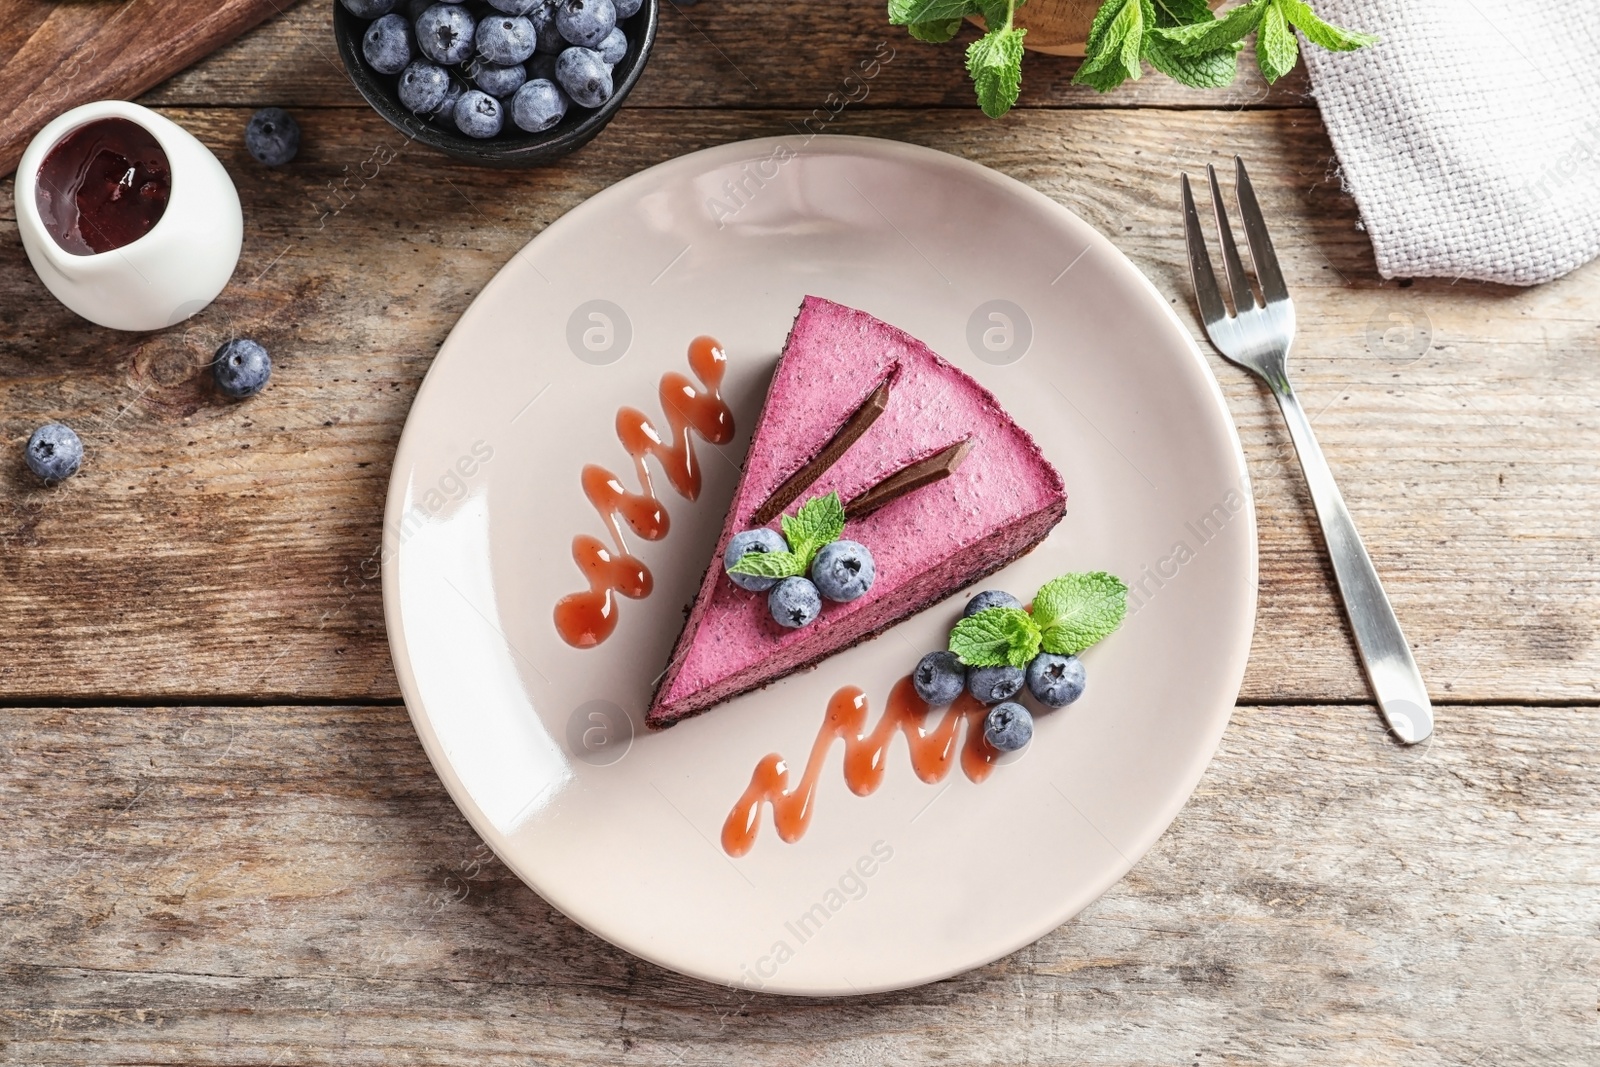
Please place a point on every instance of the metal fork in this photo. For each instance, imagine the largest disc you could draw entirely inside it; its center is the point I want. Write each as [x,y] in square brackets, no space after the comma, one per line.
[1257,337]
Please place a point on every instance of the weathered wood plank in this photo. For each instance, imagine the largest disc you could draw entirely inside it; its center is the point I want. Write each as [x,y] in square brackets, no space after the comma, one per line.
[759,53]
[56,56]
[211,549]
[292,886]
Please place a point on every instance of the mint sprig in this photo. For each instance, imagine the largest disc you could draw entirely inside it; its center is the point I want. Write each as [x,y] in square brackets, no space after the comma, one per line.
[817,523]
[769,565]
[996,637]
[1069,614]
[994,61]
[1075,611]
[1183,39]
[1193,45]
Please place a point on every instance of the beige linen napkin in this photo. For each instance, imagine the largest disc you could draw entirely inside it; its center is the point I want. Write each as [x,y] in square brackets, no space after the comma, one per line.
[1470,135]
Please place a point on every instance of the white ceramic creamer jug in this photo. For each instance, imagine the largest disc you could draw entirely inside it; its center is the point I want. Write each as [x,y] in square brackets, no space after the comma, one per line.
[163,276]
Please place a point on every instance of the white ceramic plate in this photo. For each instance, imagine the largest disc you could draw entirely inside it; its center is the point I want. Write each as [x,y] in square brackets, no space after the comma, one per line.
[540,743]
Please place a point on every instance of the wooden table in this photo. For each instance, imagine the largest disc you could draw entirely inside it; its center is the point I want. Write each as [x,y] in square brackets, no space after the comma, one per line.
[220,841]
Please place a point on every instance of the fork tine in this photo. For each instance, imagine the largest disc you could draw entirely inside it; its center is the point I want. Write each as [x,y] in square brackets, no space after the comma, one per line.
[1243,298]
[1255,232]
[1206,292]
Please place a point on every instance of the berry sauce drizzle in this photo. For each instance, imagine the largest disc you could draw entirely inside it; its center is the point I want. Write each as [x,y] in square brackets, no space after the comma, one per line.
[933,753]
[586,619]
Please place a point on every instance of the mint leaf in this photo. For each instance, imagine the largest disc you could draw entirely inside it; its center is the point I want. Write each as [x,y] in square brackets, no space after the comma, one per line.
[1204,38]
[995,638]
[769,565]
[1320,33]
[994,62]
[935,31]
[997,14]
[1075,611]
[1277,48]
[1182,12]
[818,522]
[1208,70]
[1116,41]
[911,12]
[1023,636]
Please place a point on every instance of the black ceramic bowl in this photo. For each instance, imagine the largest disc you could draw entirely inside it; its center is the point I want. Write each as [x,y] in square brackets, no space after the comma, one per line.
[511,147]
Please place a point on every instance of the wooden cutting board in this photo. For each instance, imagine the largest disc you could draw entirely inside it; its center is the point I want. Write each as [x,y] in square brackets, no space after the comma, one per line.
[57,55]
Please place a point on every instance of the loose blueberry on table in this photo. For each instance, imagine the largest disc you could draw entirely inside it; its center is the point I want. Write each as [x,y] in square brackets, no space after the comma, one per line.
[272,136]
[534,59]
[54,453]
[241,368]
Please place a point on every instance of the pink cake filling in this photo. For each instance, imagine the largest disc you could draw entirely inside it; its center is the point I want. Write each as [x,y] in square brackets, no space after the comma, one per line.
[1002,500]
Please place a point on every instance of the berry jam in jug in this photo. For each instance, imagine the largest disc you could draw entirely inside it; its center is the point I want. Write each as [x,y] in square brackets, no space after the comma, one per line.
[102,186]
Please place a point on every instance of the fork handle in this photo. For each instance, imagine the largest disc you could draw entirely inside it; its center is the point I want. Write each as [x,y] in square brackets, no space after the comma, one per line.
[1387,657]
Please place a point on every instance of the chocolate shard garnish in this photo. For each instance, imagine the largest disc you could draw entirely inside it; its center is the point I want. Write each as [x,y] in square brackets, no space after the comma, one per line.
[848,434]
[914,476]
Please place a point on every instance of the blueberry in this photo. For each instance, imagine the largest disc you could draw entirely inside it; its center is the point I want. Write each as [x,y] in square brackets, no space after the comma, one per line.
[272,136]
[497,81]
[368,9]
[445,34]
[741,544]
[241,368]
[584,75]
[843,570]
[939,678]
[794,602]
[1056,680]
[446,115]
[626,9]
[539,105]
[478,114]
[1008,727]
[994,684]
[989,598]
[614,47]
[506,39]
[517,7]
[585,22]
[387,44]
[543,18]
[54,452]
[542,67]
[424,87]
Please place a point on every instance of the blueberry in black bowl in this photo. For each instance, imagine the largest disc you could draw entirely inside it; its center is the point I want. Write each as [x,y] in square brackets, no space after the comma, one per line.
[510,82]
